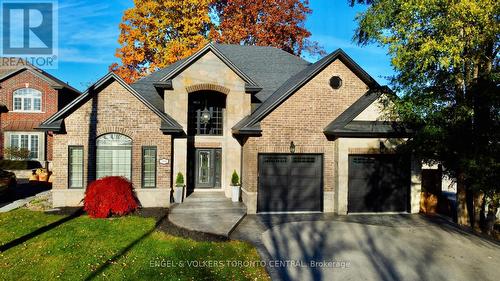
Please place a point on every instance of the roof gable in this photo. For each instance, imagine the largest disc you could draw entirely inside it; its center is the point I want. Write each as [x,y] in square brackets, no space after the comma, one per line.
[55,122]
[51,80]
[251,84]
[346,125]
[268,67]
[297,81]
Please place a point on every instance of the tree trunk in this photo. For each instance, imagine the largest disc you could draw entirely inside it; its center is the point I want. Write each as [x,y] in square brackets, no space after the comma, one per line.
[462,208]
[479,213]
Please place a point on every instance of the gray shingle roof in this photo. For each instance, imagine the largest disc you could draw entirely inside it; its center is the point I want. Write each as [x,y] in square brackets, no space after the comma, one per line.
[146,88]
[371,129]
[269,67]
[55,122]
[345,126]
[296,81]
[20,65]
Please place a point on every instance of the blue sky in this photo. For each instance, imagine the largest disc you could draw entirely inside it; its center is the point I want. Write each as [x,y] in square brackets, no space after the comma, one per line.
[88,33]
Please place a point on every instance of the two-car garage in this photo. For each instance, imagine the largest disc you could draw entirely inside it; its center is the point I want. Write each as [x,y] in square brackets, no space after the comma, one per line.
[290,183]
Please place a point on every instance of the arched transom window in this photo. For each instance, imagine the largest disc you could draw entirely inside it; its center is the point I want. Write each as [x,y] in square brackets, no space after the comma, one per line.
[114,156]
[27,99]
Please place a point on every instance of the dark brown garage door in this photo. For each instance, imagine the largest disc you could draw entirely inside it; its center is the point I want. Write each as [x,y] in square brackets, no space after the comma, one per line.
[378,183]
[290,183]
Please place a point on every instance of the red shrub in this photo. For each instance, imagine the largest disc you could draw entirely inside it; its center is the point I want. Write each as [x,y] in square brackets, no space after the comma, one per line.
[110,196]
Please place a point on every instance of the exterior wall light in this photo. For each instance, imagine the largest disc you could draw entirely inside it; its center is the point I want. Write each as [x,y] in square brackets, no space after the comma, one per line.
[292,147]
[205,116]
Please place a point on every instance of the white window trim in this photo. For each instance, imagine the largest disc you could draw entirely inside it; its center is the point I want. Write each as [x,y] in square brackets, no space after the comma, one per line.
[31,96]
[30,135]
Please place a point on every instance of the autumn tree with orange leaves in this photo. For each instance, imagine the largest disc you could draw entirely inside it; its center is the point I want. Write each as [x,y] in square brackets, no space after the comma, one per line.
[277,23]
[156,33]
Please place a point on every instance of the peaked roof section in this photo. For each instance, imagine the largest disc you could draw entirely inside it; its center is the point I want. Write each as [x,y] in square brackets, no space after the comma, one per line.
[210,47]
[55,122]
[22,65]
[295,83]
[345,126]
[268,67]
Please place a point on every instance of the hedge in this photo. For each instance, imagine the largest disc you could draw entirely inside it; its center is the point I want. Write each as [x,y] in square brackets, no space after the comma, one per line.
[19,165]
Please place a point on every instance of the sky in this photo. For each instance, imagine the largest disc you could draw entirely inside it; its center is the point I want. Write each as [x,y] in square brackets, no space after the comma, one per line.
[88,34]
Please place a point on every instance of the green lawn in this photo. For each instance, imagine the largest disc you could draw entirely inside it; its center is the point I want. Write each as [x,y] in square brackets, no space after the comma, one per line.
[113,249]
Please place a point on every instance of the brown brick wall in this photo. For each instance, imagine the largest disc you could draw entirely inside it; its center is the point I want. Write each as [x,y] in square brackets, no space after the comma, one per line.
[302,119]
[49,103]
[113,110]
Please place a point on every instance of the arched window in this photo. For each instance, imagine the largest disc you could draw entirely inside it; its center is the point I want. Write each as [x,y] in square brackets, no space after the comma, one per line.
[206,111]
[27,99]
[114,156]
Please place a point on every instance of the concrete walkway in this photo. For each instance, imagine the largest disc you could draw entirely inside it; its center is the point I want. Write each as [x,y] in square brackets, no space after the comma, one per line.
[209,212]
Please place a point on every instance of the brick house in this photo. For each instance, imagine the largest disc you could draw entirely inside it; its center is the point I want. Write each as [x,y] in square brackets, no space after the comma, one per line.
[29,96]
[304,137]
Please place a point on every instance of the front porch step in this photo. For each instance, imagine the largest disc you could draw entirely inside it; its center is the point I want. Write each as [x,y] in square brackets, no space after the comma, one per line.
[208,206]
[212,196]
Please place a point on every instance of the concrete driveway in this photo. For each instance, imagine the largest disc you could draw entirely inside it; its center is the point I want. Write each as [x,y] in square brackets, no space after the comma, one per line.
[389,247]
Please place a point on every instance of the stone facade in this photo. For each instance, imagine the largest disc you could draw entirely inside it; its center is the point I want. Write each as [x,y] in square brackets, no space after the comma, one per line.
[209,73]
[112,110]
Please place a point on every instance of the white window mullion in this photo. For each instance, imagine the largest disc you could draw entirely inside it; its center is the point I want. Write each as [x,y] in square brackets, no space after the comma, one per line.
[27,100]
[30,142]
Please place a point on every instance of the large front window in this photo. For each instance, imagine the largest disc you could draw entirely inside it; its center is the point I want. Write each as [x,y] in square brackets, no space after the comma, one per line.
[206,113]
[28,100]
[114,156]
[30,142]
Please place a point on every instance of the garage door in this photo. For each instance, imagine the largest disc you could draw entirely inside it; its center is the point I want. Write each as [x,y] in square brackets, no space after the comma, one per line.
[378,183]
[290,183]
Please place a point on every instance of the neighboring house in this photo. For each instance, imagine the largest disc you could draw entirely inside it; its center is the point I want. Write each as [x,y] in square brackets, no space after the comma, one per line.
[305,137]
[28,96]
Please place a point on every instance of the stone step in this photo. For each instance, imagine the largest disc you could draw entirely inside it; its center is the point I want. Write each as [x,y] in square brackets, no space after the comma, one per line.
[208,206]
[207,197]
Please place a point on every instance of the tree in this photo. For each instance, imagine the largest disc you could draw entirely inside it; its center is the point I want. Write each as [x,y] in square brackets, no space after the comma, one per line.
[445,54]
[156,33]
[278,23]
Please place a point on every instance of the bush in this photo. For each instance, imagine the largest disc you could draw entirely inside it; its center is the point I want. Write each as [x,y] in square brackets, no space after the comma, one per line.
[235,180]
[110,196]
[16,153]
[179,181]
[19,164]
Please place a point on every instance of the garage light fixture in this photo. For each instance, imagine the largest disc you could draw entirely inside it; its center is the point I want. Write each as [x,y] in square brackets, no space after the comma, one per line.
[292,147]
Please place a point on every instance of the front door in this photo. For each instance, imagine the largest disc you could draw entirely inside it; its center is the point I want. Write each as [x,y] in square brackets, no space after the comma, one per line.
[208,168]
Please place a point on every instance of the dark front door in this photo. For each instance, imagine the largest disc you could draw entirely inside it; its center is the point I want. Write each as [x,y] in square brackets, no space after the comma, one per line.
[290,183]
[378,183]
[208,168]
